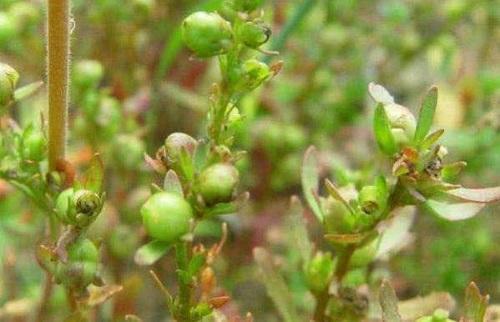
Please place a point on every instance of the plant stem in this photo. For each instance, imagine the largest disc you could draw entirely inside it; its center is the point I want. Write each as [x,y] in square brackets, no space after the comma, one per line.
[321,303]
[183,310]
[343,262]
[58,77]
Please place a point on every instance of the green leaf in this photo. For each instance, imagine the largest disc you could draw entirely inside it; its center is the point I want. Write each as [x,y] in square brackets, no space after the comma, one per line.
[451,170]
[151,252]
[196,263]
[454,211]
[382,129]
[389,303]
[28,90]
[172,183]
[426,115]
[298,230]
[335,193]
[431,139]
[276,286]
[94,176]
[98,295]
[310,180]
[475,304]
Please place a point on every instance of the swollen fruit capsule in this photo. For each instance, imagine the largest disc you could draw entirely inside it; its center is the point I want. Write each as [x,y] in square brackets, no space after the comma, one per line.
[206,34]
[218,183]
[81,267]
[8,82]
[166,216]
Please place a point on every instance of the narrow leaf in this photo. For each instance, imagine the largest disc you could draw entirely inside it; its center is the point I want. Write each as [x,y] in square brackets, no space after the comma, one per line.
[310,180]
[276,287]
[389,303]
[28,90]
[151,252]
[94,176]
[335,193]
[382,130]
[475,304]
[414,308]
[455,211]
[98,295]
[426,115]
[431,139]
[172,183]
[396,231]
[485,195]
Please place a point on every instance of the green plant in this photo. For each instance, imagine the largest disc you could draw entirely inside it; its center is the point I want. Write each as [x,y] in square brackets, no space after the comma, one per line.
[361,219]
[200,179]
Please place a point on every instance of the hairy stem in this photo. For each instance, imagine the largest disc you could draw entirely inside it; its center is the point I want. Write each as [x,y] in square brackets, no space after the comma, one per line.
[58,77]
[183,311]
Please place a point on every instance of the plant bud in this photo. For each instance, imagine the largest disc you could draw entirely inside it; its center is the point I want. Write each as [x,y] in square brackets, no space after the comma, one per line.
[8,82]
[81,268]
[319,272]
[247,5]
[252,74]
[206,34]
[370,199]
[87,74]
[338,219]
[402,122]
[79,208]
[217,183]
[253,34]
[166,216]
[33,145]
[175,143]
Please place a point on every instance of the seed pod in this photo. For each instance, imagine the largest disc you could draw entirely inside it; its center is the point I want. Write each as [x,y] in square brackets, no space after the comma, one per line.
[217,183]
[78,208]
[402,121]
[8,82]
[319,271]
[175,143]
[166,216]
[33,145]
[206,34]
[130,149]
[81,267]
[338,219]
[253,34]
[370,199]
[87,74]
[251,75]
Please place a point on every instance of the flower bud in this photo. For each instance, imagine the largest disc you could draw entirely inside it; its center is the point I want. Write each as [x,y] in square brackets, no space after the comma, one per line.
[251,75]
[79,208]
[206,34]
[166,216]
[87,74]
[217,183]
[371,199]
[8,82]
[81,267]
[319,271]
[33,145]
[175,143]
[338,219]
[253,34]
[402,121]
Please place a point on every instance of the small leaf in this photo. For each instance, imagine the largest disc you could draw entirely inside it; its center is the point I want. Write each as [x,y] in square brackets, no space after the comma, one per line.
[396,231]
[380,94]
[276,287]
[451,170]
[310,180]
[98,295]
[382,129]
[151,252]
[475,304]
[431,139]
[172,183]
[426,115]
[28,90]
[389,303]
[335,193]
[94,176]
[455,211]
[484,195]
[346,239]
[196,263]
[298,231]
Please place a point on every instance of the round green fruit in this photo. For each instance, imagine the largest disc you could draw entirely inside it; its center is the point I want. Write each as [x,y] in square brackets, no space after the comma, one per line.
[253,34]
[79,208]
[175,143]
[8,82]
[217,183]
[33,146]
[87,73]
[81,266]
[206,34]
[166,216]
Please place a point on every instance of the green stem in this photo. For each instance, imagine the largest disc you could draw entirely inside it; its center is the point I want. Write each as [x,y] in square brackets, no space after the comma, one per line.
[183,310]
[58,77]
[321,303]
[343,262]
